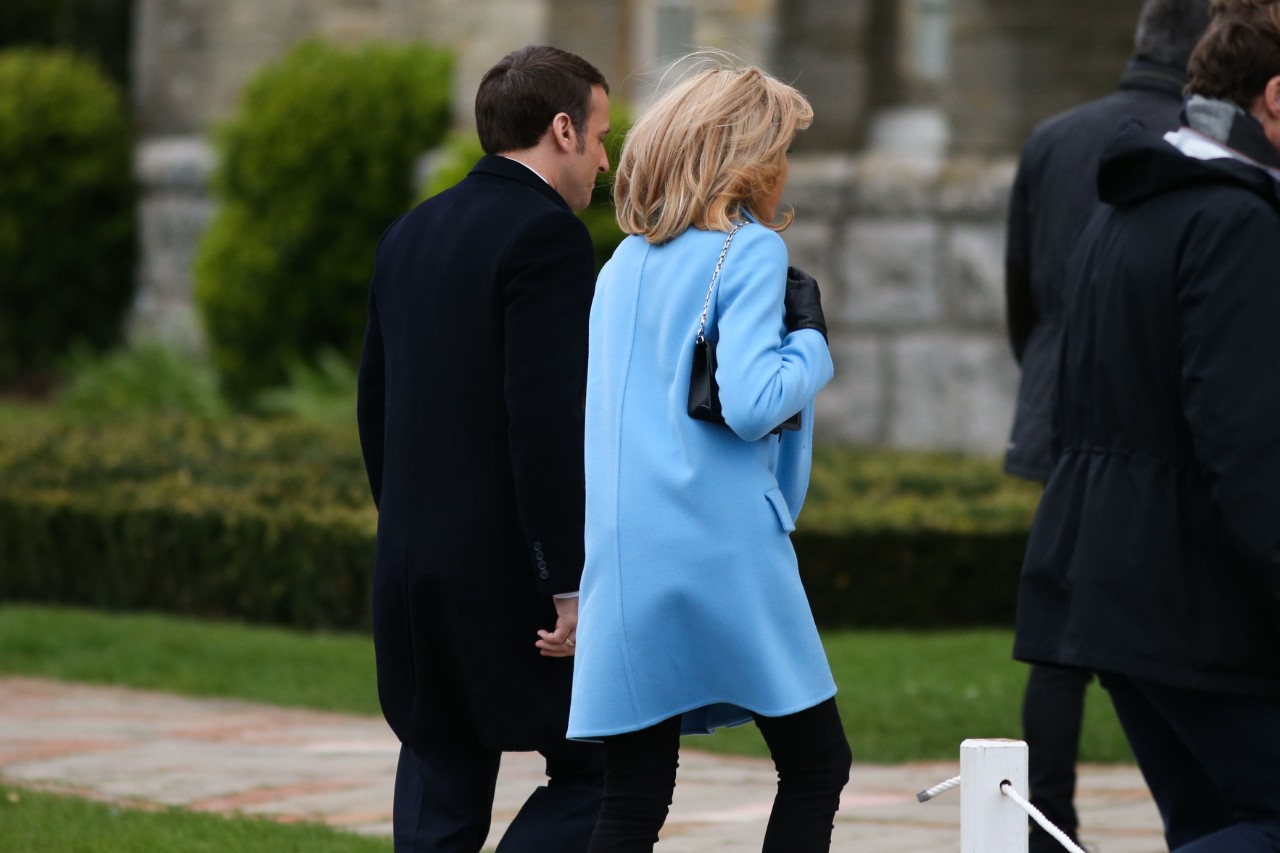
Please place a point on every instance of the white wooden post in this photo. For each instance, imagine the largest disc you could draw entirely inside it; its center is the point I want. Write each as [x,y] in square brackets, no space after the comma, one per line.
[990,822]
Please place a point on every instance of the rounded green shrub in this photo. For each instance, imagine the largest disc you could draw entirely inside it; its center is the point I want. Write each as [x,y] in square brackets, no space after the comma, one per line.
[315,165]
[67,218]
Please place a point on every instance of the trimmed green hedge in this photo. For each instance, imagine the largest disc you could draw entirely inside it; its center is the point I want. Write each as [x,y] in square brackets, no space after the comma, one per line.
[308,569]
[265,521]
[271,521]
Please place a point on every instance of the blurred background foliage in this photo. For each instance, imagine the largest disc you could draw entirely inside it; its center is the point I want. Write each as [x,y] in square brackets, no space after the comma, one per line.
[144,380]
[315,164]
[67,217]
[98,29]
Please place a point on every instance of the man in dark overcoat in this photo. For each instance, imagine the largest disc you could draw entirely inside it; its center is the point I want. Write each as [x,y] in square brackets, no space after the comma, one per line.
[470,411]
[1154,558]
[1052,194]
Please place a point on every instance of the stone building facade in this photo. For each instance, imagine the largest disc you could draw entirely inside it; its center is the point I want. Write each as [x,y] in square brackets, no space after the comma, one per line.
[900,185]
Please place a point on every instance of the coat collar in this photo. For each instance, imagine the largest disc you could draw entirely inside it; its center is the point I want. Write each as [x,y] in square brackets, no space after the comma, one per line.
[501,167]
[1228,125]
[1143,73]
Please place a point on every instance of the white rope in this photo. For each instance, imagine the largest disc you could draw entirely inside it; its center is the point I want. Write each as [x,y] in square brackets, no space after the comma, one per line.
[1007,789]
[926,796]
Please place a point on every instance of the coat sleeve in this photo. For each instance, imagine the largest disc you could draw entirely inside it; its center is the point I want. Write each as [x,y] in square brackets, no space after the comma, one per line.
[1020,310]
[765,374]
[548,299]
[1230,342]
[371,401]
[371,388]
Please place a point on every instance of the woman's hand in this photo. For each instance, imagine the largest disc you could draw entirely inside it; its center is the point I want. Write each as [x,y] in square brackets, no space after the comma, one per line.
[803,302]
[560,642]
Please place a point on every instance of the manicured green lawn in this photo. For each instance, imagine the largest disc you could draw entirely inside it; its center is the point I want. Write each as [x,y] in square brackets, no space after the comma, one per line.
[904,696]
[325,671]
[915,696]
[31,821]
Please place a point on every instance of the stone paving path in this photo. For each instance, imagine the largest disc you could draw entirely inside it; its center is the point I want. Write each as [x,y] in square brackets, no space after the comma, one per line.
[133,746]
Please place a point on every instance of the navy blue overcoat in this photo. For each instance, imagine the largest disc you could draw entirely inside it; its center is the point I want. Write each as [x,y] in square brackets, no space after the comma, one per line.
[471,388]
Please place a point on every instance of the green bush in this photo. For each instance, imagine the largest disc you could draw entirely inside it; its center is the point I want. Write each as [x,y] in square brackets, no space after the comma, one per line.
[146,379]
[272,520]
[323,393]
[456,158]
[912,539]
[317,163]
[96,28]
[66,212]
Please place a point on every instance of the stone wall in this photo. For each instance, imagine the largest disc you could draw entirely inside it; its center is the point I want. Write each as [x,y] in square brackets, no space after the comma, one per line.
[1016,62]
[902,229]
[191,57]
[911,266]
[910,263]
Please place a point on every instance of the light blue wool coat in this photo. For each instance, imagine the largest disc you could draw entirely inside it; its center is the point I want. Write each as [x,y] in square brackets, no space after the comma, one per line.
[691,602]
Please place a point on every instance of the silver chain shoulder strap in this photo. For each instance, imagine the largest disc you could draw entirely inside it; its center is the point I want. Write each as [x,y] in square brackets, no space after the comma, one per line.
[706,304]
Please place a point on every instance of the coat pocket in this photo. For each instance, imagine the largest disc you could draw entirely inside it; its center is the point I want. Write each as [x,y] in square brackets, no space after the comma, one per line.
[779,504]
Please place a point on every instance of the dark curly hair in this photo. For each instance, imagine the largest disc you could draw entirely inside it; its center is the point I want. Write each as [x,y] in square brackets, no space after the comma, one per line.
[1239,53]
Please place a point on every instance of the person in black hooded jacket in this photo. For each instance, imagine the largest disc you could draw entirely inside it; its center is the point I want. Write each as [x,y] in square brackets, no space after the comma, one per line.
[1050,200]
[1154,559]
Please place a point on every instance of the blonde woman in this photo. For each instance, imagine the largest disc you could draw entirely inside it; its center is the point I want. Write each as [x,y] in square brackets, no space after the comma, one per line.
[692,611]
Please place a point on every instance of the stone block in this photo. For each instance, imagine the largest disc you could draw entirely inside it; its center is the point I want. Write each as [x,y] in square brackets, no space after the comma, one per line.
[951,391]
[976,189]
[820,185]
[887,185]
[173,212]
[891,274]
[174,163]
[837,85]
[973,275]
[916,135]
[811,246]
[172,322]
[851,409]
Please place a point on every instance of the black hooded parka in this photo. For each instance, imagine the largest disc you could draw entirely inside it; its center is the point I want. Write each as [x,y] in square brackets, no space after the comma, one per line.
[1155,551]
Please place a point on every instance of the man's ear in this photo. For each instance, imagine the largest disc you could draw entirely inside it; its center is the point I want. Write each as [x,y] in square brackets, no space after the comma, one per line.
[1271,97]
[564,134]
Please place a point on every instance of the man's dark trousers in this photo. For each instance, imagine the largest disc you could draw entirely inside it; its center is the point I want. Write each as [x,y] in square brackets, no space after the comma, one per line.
[444,799]
[1052,716]
[1211,760]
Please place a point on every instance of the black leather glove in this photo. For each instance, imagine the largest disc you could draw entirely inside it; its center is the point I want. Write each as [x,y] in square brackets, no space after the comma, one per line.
[803,303]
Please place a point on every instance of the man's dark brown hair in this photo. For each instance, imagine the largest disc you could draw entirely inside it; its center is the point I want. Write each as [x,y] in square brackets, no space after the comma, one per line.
[1239,53]
[520,96]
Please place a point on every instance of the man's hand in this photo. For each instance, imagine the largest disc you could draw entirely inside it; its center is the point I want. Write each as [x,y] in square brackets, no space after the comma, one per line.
[560,642]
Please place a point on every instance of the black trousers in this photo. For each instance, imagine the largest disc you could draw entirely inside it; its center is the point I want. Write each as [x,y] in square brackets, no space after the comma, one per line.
[810,752]
[1212,761]
[444,799]
[1052,716]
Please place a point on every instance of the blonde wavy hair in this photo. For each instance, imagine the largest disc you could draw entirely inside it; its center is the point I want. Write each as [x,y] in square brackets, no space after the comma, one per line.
[709,149]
